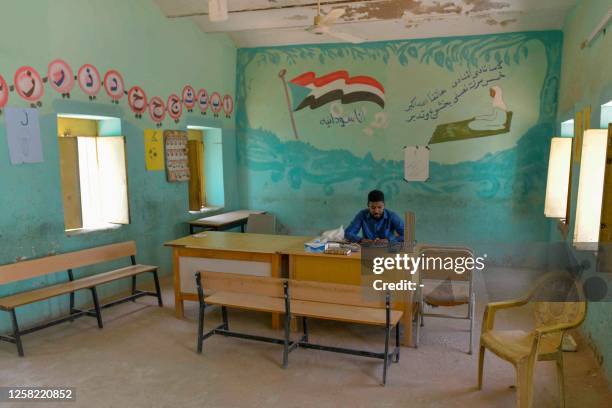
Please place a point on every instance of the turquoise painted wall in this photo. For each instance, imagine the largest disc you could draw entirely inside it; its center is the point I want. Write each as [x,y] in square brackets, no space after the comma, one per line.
[157,54]
[586,79]
[488,190]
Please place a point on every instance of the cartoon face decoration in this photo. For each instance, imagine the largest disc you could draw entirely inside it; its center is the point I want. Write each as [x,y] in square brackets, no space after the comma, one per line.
[215,103]
[228,105]
[189,97]
[4,92]
[113,85]
[202,100]
[175,108]
[29,84]
[137,99]
[60,77]
[157,110]
[89,80]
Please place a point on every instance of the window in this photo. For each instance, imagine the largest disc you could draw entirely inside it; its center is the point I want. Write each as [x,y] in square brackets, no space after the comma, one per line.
[591,189]
[557,185]
[206,188]
[93,172]
[606,115]
[567,128]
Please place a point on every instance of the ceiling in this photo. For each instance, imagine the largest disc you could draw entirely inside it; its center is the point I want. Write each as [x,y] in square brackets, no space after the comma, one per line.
[255,23]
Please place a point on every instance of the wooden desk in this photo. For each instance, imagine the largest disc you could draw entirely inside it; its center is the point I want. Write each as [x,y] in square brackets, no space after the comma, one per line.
[216,251]
[343,269]
[223,221]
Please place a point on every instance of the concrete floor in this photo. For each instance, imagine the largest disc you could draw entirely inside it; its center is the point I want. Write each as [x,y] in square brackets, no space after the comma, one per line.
[145,357]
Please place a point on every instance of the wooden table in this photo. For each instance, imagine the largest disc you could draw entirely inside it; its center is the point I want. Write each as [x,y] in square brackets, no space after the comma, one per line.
[217,251]
[344,269]
[223,221]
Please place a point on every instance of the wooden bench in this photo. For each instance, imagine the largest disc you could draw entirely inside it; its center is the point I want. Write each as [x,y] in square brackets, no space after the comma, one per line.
[294,298]
[68,262]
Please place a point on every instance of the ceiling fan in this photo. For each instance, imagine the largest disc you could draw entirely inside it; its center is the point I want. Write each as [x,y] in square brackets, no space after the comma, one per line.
[322,25]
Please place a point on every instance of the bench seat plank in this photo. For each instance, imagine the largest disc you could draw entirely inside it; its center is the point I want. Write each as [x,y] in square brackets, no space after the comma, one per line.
[24,298]
[343,313]
[246,301]
[105,277]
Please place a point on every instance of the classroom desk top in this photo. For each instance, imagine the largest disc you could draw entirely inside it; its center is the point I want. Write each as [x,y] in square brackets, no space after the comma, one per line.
[220,220]
[239,242]
[297,248]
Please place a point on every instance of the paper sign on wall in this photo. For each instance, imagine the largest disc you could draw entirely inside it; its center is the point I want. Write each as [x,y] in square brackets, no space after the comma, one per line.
[177,163]
[23,135]
[154,149]
[416,163]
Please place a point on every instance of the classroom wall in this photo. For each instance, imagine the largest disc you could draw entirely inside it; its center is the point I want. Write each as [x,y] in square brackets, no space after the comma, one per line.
[487,190]
[159,55]
[586,79]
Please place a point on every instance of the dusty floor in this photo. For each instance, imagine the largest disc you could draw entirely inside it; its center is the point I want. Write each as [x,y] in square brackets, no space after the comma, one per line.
[145,357]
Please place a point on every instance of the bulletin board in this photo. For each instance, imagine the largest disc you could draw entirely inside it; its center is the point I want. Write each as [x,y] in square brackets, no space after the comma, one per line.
[176,153]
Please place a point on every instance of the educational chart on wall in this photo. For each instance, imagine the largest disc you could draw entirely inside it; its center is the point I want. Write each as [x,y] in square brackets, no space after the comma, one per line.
[29,85]
[154,149]
[416,163]
[177,162]
[23,135]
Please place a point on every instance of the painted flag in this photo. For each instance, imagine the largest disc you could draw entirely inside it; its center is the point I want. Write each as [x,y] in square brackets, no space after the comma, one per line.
[309,90]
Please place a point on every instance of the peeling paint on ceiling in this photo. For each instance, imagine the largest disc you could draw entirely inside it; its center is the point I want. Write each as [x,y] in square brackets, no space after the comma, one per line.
[284,22]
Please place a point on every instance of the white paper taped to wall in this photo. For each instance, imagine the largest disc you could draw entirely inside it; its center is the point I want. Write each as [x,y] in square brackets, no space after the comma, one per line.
[416,163]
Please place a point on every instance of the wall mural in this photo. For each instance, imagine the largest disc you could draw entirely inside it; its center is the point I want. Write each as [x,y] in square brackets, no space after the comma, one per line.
[30,86]
[485,106]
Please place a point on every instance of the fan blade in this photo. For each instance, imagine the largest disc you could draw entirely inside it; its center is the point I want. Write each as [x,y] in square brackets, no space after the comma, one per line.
[345,37]
[332,16]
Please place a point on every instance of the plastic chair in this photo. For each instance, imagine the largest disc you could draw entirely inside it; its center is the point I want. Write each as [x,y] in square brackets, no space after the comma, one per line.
[543,343]
[443,295]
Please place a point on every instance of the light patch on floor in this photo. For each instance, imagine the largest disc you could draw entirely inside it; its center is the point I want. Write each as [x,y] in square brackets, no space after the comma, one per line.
[145,357]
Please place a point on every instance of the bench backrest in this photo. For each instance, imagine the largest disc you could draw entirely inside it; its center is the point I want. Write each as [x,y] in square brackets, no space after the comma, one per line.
[71,260]
[238,283]
[323,292]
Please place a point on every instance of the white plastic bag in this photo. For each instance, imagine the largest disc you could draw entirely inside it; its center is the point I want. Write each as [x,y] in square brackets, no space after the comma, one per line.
[336,235]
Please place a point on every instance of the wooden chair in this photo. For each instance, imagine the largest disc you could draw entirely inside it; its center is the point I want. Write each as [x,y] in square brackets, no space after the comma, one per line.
[261,224]
[522,348]
[443,294]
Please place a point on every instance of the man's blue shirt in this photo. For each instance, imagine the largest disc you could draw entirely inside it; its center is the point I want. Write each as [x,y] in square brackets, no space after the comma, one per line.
[382,228]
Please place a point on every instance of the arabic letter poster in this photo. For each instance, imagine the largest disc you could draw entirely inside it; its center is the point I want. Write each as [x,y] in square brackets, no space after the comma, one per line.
[23,135]
[154,149]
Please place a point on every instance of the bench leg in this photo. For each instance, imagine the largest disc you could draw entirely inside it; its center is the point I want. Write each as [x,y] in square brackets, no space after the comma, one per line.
[305,327]
[286,343]
[71,304]
[160,302]
[16,333]
[386,358]
[397,342]
[94,296]
[287,325]
[133,287]
[201,326]
[225,319]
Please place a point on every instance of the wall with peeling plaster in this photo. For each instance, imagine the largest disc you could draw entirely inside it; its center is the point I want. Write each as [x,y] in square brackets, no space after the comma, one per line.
[487,190]
[586,80]
[159,55]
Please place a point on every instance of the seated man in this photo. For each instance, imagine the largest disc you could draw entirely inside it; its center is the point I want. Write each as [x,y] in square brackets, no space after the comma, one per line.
[379,225]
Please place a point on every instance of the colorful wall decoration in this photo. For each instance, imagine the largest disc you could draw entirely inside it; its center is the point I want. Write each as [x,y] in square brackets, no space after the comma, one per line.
[483,107]
[30,86]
